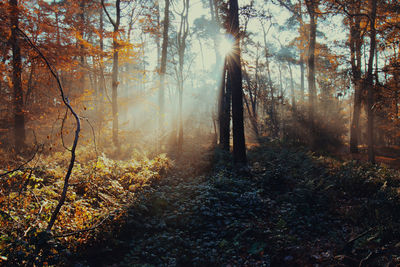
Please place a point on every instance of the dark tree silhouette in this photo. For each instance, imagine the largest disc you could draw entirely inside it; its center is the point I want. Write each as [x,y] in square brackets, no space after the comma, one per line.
[19,118]
[224,110]
[235,77]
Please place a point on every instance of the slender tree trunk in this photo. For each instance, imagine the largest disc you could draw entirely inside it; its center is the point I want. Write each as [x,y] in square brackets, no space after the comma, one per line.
[158,39]
[291,85]
[163,68]
[370,85]
[114,93]
[180,118]
[355,52]
[253,111]
[19,117]
[82,77]
[114,76]
[272,109]
[235,76]
[301,78]
[280,96]
[101,78]
[181,39]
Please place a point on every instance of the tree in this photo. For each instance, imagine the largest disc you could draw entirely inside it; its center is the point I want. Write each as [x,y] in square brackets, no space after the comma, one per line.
[163,67]
[224,90]
[272,109]
[224,109]
[312,6]
[114,77]
[102,82]
[355,44]
[181,43]
[19,118]
[369,83]
[235,76]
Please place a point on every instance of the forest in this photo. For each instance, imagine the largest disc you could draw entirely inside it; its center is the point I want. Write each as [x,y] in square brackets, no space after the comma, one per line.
[199,133]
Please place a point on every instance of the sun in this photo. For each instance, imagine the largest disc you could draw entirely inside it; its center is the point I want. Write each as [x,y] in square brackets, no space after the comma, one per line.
[225,45]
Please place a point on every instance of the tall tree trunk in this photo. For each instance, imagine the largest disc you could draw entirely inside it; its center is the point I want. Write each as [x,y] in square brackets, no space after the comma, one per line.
[223,118]
[355,52]
[370,85]
[114,76]
[19,118]
[81,27]
[163,68]
[311,7]
[102,82]
[114,93]
[235,76]
[224,110]
[181,39]
[272,109]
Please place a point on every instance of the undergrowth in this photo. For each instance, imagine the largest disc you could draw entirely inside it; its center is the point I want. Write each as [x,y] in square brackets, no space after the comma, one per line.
[99,192]
[292,207]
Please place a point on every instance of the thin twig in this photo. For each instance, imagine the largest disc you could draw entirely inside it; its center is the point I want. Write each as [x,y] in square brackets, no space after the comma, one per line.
[351,241]
[94,135]
[84,230]
[22,165]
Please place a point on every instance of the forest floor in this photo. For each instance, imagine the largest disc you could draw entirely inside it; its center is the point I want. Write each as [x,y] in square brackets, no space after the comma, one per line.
[291,208]
[385,156]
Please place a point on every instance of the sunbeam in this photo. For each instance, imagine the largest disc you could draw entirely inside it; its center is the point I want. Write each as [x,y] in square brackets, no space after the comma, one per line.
[225,45]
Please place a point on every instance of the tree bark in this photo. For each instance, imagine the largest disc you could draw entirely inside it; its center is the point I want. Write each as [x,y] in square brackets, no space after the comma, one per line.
[291,85]
[311,7]
[301,78]
[369,84]
[181,39]
[235,76]
[355,52]
[163,67]
[224,110]
[114,76]
[19,117]
[101,78]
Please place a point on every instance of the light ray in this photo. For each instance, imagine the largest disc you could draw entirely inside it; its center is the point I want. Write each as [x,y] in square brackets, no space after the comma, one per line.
[225,45]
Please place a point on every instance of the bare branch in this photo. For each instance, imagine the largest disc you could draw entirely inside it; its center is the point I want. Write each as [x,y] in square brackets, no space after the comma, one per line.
[78,128]
[22,165]
[108,14]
